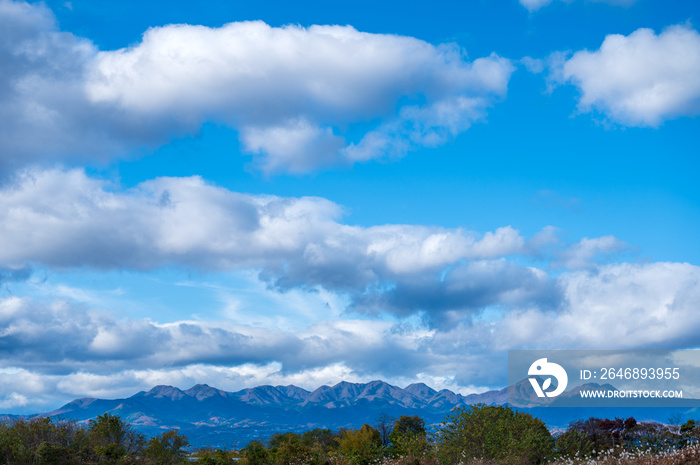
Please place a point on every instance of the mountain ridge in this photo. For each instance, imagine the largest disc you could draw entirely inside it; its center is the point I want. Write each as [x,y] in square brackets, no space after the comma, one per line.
[203,411]
[213,417]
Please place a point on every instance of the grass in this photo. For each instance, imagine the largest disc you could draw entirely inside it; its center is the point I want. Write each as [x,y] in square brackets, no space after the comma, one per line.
[686,456]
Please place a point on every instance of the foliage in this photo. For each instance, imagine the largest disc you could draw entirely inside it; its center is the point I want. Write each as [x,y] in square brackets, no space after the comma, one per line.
[214,457]
[288,448]
[687,427]
[477,435]
[255,453]
[106,440]
[493,433]
[409,437]
[322,445]
[168,448]
[573,443]
[361,446]
[113,439]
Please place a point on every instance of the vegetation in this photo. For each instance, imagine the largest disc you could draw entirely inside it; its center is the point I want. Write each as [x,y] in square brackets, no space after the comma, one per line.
[498,434]
[106,440]
[475,435]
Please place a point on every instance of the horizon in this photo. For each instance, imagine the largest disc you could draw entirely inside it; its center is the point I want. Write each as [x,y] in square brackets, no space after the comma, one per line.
[272,194]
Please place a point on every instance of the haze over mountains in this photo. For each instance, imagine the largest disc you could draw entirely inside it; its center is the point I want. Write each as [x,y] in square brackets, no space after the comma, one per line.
[210,416]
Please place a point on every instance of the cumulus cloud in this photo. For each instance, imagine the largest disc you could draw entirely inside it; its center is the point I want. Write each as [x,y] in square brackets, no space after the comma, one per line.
[65,219]
[291,90]
[620,306]
[642,79]
[47,116]
[292,93]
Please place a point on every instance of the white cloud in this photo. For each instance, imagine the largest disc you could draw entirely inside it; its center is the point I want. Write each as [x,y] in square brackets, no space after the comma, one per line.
[617,306]
[297,146]
[291,90]
[292,93]
[583,253]
[66,219]
[642,79]
[46,114]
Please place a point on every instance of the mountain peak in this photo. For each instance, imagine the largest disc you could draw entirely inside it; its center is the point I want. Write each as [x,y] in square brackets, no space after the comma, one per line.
[294,392]
[204,391]
[421,390]
[166,392]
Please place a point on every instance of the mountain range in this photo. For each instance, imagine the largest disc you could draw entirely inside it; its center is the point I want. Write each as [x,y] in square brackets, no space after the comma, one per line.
[211,416]
[217,418]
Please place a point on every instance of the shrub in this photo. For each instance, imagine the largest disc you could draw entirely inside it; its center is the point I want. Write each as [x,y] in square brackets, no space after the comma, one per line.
[493,433]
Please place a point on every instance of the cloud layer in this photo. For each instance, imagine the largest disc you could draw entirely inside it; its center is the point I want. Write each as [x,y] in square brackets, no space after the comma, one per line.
[64,219]
[440,293]
[66,348]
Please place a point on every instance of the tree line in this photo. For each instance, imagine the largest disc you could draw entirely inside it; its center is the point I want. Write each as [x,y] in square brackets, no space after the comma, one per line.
[472,434]
[105,440]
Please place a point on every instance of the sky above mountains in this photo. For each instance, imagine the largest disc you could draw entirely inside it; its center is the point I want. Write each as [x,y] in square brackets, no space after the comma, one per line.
[258,193]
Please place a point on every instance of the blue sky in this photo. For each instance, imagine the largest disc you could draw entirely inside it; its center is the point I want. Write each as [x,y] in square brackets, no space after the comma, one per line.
[271,193]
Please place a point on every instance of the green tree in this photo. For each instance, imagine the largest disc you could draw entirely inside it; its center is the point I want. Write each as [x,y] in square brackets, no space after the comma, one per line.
[688,426]
[361,446]
[409,437]
[320,445]
[113,440]
[168,448]
[493,433]
[255,453]
[287,448]
[15,447]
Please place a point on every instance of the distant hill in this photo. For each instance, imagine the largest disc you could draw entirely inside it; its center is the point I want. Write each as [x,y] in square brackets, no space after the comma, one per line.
[212,417]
